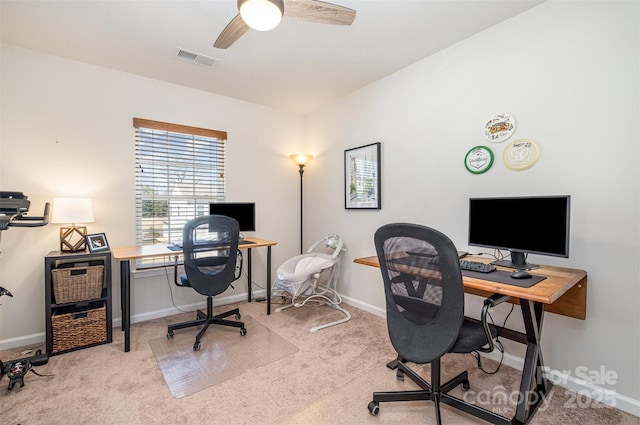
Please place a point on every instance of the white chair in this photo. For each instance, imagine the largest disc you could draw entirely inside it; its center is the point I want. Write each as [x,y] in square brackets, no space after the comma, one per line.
[312,277]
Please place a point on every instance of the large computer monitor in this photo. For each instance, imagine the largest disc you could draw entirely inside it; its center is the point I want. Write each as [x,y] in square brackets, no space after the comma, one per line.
[522,225]
[243,212]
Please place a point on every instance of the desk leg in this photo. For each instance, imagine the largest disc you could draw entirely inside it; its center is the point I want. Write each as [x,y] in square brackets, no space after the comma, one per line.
[269,280]
[249,274]
[125,301]
[533,386]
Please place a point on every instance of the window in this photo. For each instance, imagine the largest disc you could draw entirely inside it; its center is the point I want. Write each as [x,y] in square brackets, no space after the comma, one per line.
[179,171]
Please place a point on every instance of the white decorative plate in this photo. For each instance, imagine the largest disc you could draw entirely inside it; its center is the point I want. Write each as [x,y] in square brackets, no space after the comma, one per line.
[520,154]
[479,159]
[500,127]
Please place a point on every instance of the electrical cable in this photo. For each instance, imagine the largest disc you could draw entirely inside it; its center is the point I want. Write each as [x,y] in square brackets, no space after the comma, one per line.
[495,257]
[498,344]
[166,274]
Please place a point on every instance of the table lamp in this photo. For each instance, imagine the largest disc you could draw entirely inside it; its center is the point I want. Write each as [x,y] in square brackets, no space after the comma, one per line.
[72,211]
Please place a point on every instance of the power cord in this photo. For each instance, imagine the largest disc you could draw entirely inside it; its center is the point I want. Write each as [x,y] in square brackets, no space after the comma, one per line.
[254,284]
[495,257]
[498,344]
[166,274]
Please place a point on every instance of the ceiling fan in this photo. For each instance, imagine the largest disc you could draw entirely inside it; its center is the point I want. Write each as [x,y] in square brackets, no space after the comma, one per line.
[264,15]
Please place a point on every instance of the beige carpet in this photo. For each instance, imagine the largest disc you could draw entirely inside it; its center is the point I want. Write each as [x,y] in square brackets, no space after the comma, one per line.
[329,380]
[224,354]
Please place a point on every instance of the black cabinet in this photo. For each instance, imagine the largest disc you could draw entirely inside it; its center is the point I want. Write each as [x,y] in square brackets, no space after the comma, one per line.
[77,300]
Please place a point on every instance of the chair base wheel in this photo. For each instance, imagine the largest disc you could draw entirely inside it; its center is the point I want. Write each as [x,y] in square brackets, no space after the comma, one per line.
[196,346]
[169,335]
[243,331]
[374,408]
[238,316]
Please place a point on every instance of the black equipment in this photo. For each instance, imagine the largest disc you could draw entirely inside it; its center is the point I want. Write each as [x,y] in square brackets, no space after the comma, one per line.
[13,211]
[16,369]
[523,225]
[14,207]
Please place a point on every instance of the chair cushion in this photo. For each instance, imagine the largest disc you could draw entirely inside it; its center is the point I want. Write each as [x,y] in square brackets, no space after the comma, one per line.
[471,337]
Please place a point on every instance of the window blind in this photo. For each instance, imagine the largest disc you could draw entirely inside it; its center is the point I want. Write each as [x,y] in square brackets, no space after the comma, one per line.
[179,171]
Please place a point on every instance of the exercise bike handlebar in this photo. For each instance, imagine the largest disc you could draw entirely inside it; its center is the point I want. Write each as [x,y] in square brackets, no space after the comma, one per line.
[26,221]
[20,219]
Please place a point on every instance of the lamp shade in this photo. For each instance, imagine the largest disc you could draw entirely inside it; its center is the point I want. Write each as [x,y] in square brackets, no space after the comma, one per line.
[261,15]
[301,158]
[72,210]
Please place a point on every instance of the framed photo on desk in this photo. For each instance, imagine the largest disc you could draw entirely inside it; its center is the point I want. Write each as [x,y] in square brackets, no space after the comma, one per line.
[97,242]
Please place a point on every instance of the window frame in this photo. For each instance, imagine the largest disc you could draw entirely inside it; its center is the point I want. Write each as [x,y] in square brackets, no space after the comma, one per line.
[185,171]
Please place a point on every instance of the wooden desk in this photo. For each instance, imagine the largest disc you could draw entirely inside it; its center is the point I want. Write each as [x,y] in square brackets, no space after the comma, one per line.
[564,291]
[125,254]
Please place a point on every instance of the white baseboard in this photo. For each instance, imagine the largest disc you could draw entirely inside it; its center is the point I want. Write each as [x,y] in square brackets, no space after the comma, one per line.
[143,317]
[595,392]
[11,343]
[364,306]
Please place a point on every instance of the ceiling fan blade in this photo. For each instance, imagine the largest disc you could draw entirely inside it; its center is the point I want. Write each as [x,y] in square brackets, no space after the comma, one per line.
[319,11]
[231,33]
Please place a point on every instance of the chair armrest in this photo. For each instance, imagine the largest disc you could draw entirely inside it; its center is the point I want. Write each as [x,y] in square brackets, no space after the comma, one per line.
[175,271]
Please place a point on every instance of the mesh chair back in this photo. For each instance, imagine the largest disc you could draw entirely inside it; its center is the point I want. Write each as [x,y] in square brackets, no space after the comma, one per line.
[210,244]
[423,290]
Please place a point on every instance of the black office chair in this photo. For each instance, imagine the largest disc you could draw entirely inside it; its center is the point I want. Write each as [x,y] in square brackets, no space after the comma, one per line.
[210,246]
[425,314]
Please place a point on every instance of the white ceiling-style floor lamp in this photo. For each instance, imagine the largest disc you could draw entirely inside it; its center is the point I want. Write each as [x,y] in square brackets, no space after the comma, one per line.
[302,160]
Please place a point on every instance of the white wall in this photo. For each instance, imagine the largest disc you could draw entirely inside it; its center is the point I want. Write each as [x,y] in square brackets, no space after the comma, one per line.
[569,73]
[67,131]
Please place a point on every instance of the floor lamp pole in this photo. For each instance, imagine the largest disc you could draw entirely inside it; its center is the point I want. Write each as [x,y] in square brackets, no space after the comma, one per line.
[301,173]
[301,159]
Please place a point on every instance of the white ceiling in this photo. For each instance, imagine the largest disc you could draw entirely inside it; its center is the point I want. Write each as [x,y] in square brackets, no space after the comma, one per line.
[299,66]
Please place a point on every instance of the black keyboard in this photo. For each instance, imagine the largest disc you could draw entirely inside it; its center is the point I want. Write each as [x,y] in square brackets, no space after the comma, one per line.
[476,266]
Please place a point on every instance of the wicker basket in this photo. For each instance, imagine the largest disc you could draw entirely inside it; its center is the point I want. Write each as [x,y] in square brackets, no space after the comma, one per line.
[77,283]
[78,329]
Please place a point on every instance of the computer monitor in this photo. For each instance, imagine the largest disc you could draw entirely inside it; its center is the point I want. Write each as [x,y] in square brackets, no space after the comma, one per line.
[243,212]
[523,225]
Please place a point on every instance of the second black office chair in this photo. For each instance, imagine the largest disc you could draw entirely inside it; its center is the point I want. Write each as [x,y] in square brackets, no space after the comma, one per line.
[209,245]
[425,314]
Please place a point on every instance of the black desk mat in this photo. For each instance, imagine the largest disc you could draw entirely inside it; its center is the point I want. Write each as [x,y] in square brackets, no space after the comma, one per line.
[501,276]
[498,276]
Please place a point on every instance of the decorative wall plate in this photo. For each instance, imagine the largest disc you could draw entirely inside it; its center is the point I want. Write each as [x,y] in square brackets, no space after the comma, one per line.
[479,159]
[520,154]
[500,127]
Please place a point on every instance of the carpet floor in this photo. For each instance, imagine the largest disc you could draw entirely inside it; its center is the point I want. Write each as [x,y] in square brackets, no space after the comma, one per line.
[328,380]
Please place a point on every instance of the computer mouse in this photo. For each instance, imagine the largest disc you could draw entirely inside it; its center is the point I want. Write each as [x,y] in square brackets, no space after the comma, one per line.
[520,274]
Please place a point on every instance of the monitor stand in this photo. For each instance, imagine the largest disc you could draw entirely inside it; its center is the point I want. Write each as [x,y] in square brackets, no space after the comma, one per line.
[517,261]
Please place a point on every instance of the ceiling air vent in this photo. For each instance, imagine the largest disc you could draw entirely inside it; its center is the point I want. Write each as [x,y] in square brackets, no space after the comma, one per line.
[197,58]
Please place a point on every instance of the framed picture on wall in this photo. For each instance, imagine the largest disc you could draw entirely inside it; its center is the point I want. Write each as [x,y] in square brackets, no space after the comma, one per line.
[362,177]
[97,242]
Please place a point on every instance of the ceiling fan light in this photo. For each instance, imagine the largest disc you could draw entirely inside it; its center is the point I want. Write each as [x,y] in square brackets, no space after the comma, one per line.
[261,15]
